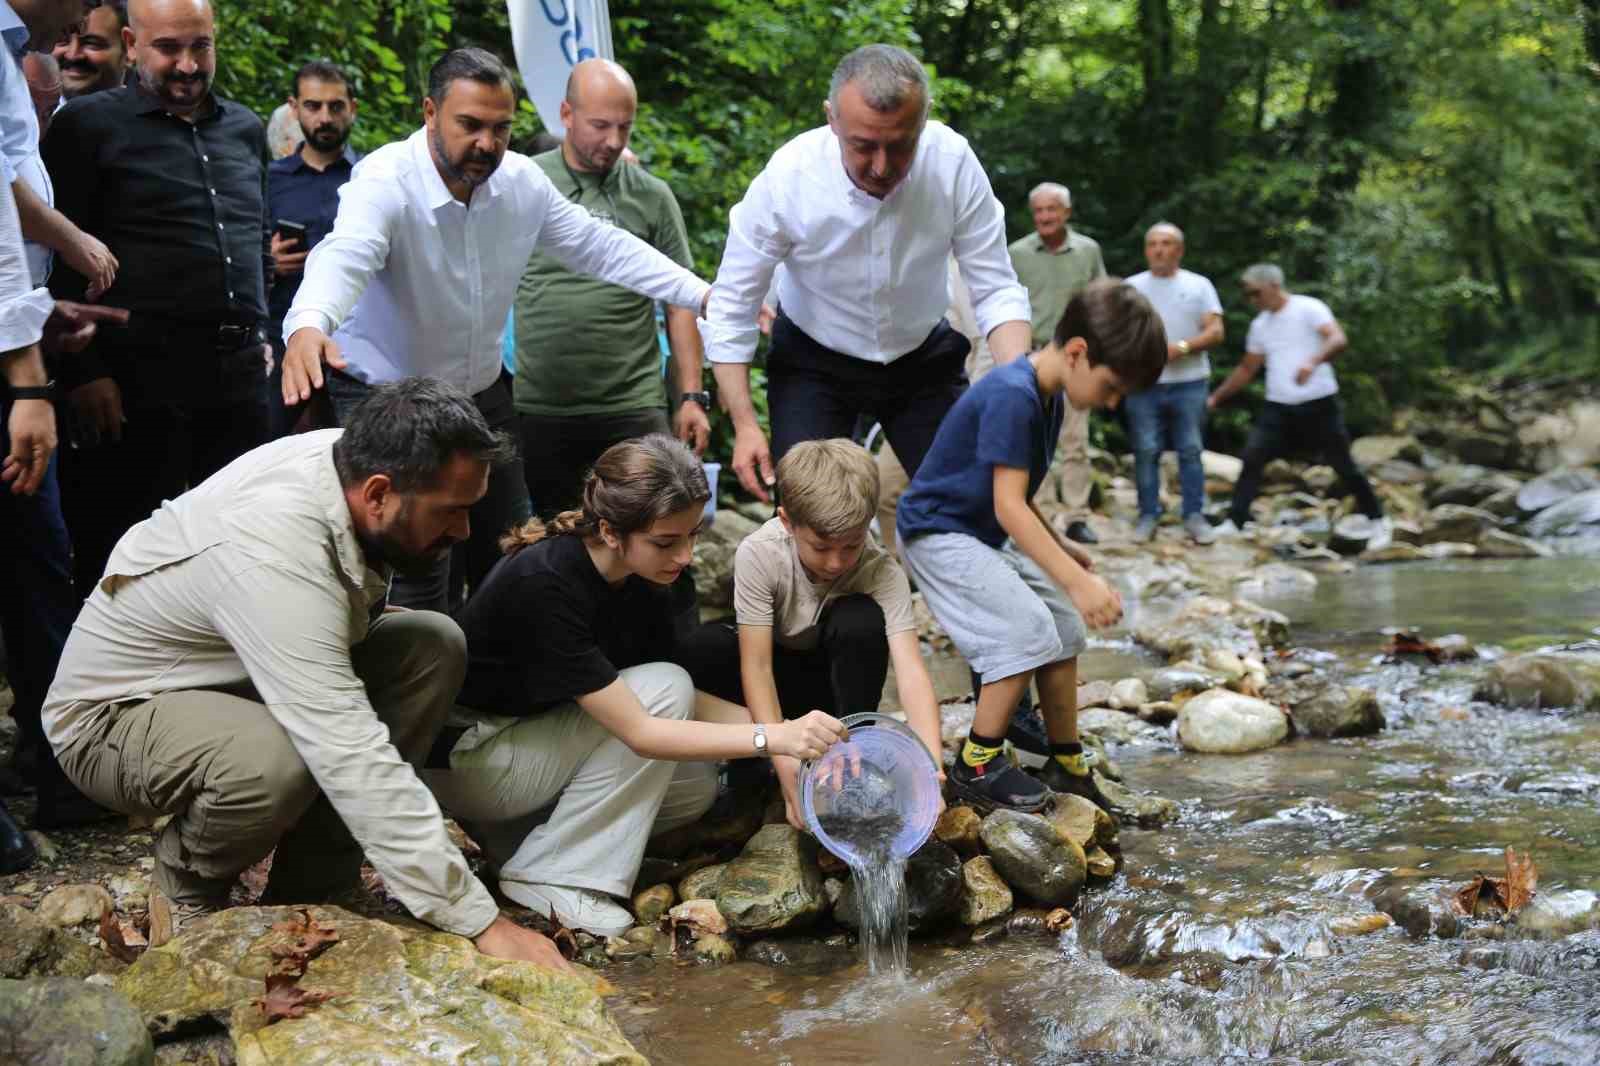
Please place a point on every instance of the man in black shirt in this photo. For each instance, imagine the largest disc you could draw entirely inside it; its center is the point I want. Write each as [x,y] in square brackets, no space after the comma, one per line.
[172,178]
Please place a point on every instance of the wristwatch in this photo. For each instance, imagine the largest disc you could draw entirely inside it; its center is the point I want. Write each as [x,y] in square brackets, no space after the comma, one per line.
[760,740]
[701,398]
[46,392]
[1183,347]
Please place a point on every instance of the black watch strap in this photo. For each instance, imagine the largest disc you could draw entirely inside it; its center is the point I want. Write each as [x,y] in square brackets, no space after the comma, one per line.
[701,398]
[47,391]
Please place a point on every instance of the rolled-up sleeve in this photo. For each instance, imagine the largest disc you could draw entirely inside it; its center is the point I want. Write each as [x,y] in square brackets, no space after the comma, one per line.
[979,244]
[342,264]
[23,308]
[756,245]
[585,245]
[293,637]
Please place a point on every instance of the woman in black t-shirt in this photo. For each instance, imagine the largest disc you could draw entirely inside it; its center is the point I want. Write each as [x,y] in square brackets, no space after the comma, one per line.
[570,698]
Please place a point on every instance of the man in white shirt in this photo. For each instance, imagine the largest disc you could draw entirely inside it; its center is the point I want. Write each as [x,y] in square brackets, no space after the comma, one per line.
[237,668]
[1173,413]
[1297,338]
[422,266]
[862,214]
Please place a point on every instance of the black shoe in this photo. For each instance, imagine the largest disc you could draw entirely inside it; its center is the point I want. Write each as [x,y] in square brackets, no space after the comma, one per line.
[1058,778]
[1027,736]
[1080,532]
[16,850]
[997,783]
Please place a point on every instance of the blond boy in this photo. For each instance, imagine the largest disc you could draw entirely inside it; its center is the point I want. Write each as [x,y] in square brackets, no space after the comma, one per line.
[820,609]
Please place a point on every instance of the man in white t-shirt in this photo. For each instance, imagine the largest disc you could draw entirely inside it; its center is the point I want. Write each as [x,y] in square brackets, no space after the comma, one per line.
[1297,338]
[1173,413]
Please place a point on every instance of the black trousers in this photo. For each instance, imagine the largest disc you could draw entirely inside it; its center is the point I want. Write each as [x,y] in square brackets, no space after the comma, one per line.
[1314,428]
[843,675]
[190,410]
[558,450]
[814,393]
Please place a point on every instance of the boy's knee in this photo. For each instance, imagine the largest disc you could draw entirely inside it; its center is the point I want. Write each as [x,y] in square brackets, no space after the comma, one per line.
[1038,633]
[855,618]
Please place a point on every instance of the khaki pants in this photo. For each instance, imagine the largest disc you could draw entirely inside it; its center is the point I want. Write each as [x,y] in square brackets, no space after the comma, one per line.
[229,775]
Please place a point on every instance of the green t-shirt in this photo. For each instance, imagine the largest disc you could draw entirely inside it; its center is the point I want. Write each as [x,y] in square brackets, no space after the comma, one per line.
[585,346]
[1053,278]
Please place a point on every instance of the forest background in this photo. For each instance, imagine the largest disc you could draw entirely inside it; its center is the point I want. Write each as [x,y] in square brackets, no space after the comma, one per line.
[1430,168]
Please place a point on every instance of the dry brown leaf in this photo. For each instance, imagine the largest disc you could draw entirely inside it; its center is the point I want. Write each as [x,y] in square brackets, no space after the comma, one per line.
[1522,878]
[1058,919]
[311,938]
[1412,644]
[116,942]
[1466,900]
[286,999]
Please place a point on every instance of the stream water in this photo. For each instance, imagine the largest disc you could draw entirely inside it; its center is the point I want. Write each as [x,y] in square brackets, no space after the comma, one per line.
[1246,932]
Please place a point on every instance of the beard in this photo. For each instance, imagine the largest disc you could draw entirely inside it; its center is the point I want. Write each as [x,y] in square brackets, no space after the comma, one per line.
[162,85]
[456,169]
[326,137]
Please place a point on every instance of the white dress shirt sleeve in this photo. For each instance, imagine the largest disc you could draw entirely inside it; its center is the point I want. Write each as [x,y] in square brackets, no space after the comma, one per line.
[342,264]
[979,245]
[293,637]
[584,245]
[756,245]
[23,308]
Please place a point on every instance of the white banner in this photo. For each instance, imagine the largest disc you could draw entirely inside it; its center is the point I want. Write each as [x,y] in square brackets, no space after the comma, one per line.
[550,38]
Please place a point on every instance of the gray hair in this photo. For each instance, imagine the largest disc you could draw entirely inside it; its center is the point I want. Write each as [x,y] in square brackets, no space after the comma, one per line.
[884,74]
[1263,274]
[1169,227]
[1062,194]
[409,430]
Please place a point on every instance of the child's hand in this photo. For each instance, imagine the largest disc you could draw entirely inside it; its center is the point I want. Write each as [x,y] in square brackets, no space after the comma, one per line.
[1098,603]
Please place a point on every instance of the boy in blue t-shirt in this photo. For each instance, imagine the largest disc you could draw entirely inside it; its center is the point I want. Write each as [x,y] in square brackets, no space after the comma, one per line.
[1012,594]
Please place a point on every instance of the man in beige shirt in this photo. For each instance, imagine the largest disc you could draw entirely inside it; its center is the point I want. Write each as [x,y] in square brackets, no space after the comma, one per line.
[236,667]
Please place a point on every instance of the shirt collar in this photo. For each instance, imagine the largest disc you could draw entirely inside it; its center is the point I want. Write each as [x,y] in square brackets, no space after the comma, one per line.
[347,546]
[13,31]
[296,160]
[1072,242]
[147,103]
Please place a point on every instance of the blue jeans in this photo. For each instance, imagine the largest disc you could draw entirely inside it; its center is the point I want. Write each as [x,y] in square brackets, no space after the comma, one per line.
[1168,416]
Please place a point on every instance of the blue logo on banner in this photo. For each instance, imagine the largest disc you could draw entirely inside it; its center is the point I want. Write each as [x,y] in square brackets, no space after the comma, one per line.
[573,50]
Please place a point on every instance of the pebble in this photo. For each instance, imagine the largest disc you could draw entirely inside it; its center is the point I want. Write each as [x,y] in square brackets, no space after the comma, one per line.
[44,846]
[73,904]
[652,903]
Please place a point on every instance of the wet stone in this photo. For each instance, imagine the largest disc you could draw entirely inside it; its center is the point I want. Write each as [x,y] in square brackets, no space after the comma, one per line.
[1144,809]
[702,884]
[774,883]
[1032,857]
[1569,678]
[1224,722]
[933,890]
[652,903]
[958,827]
[985,896]
[29,947]
[714,949]
[1081,821]
[1340,711]
[72,905]
[1421,910]
[58,1021]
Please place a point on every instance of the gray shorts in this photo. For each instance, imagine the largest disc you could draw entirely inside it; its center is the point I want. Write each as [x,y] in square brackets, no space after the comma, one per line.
[1003,612]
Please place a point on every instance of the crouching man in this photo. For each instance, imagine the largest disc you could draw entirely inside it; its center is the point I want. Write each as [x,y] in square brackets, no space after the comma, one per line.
[236,668]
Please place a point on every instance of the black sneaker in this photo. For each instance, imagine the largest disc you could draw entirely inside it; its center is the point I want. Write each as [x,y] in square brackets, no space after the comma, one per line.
[1058,778]
[1027,736]
[997,783]
[16,850]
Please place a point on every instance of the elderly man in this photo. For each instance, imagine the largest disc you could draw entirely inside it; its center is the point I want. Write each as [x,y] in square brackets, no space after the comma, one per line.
[1054,262]
[92,55]
[587,356]
[863,215]
[1175,410]
[1296,337]
[170,175]
[421,268]
[236,668]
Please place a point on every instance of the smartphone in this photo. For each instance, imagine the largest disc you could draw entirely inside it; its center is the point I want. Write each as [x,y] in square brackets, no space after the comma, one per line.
[293,232]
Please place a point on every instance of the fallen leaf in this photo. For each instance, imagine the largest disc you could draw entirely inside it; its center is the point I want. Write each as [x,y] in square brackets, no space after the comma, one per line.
[117,945]
[1504,894]
[286,999]
[311,937]
[1522,878]
[1412,644]
[1058,919]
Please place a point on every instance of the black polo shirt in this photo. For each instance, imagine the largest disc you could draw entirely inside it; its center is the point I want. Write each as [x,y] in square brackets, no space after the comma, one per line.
[181,205]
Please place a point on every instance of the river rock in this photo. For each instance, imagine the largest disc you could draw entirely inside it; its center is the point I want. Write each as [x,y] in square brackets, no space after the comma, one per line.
[1573,516]
[1473,491]
[1421,910]
[1398,472]
[1569,678]
[29,947]
[984,894]
[1350,534]
[1340,711]
[652,903]
[1158,712]
[713,557]
[702,884]
[1118,727]
[1456,524]
[714,949]
[1129,694]
[1183,679]
[636,943]
[1100,864]
[401,993]
[1094,694]
[1398,552]
[933,890]
[958,827]
[1552,488]
[1551,915]
[1275,580]
[774,883]
[1369,451]
[1454,648]
[1143,809]
[1033,858]
[1498,544]
[1211,622]
[1224,722]
[1221,468]
[72,905]
[1081,821]
[58,1021]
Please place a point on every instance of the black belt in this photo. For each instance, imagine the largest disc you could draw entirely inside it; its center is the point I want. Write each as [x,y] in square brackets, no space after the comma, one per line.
[156,331]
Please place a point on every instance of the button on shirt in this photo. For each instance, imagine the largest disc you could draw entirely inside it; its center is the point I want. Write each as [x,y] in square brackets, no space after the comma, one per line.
[862,276]
[257,576]
[19,130]
[299,192]
[412,282]
[1053,277]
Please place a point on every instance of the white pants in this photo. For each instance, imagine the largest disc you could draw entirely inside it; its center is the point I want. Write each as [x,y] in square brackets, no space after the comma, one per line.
[506,773]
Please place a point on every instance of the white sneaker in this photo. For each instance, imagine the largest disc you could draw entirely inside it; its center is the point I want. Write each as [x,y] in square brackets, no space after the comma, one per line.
[1225,528]
[1199,530]
[575,908]
[1381,535]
